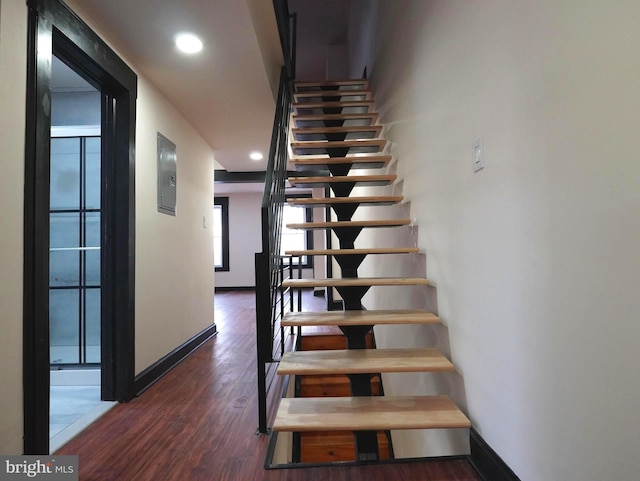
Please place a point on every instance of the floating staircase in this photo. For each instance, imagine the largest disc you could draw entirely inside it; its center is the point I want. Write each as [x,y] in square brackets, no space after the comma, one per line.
[340,412]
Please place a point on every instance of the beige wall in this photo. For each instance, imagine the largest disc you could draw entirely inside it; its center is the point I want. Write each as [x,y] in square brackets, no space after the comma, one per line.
[174,255]
[178,249]
[536,258]
[13,34]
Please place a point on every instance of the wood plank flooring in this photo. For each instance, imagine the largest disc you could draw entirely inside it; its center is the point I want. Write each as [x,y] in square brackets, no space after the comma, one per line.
[199,422]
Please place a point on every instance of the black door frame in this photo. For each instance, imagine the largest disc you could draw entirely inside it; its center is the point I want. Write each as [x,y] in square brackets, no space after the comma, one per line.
[55,29]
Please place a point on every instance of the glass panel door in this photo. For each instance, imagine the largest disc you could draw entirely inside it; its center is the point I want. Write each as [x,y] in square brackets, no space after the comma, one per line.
[74,262]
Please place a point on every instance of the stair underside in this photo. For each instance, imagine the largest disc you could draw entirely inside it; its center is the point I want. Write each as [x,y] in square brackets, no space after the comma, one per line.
[356,282]
[345,83]
[341,179]
[323,95]
[321,120]
[346,252]
[329,201]
[347,106]
[321,342]
[358,361]
[357,146]
[359,318]
[323,133]
[368,413]
[351,224]
[356,162]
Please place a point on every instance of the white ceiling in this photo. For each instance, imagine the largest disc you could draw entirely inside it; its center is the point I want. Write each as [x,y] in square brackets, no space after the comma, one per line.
[227,91]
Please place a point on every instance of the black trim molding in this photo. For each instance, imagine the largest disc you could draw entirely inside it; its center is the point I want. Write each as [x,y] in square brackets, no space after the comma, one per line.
[251,177]
[231,289]
[223,202]
[224,176]
[154,373]
[487,462]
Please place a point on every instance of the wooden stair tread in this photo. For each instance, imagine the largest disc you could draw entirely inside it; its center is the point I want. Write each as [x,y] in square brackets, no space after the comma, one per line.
[313,147]
[348,119]
[339,252]
[360,361]
[356,282]
[368,162]
[313,94]
[368,413]
[359,318]
[320,133]
[351,223]
[328,201]
[338,179]
[331,83]
[338,118]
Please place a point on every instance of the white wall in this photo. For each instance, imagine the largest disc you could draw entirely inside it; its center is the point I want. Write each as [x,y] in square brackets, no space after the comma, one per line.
[536,258]
[337,62]
[321,38]
[245,239]
[13,35]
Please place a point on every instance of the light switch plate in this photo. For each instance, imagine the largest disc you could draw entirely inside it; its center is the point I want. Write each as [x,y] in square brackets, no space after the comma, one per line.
[478,155]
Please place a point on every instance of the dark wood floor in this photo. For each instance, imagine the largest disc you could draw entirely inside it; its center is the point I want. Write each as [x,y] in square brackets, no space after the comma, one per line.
[199,422]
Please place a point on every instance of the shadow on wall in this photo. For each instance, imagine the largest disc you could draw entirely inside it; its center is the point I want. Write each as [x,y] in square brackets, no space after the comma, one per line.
[411,443]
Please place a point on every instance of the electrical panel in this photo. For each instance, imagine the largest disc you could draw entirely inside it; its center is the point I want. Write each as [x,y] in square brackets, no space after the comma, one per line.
[167,175]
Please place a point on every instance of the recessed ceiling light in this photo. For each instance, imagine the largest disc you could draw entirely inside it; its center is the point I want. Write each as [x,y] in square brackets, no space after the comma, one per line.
[256,156]
[188,43]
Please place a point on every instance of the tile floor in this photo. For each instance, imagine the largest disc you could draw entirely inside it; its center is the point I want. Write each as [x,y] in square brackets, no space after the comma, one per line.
[73,408]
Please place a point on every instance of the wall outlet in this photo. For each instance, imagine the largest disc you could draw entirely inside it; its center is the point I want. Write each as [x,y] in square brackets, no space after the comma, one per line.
[478,155]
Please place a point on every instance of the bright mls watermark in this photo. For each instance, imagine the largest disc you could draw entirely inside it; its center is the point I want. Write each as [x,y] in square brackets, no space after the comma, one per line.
[52,468]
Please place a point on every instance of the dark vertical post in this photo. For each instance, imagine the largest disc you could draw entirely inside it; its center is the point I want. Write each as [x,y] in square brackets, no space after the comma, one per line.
[36,240]
[263,333]
[299,277]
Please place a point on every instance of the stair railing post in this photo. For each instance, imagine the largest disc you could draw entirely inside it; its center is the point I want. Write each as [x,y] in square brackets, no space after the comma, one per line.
[269,263]
[299,277]
[262,334]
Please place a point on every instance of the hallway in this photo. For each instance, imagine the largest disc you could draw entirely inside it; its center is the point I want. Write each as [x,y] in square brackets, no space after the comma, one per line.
[199,422]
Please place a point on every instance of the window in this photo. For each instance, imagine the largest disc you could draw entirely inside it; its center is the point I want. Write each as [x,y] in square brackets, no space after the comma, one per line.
[297,239]
[221,233]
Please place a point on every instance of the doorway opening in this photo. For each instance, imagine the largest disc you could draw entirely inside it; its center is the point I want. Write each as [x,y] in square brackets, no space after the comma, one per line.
[75,293]
[79,219]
